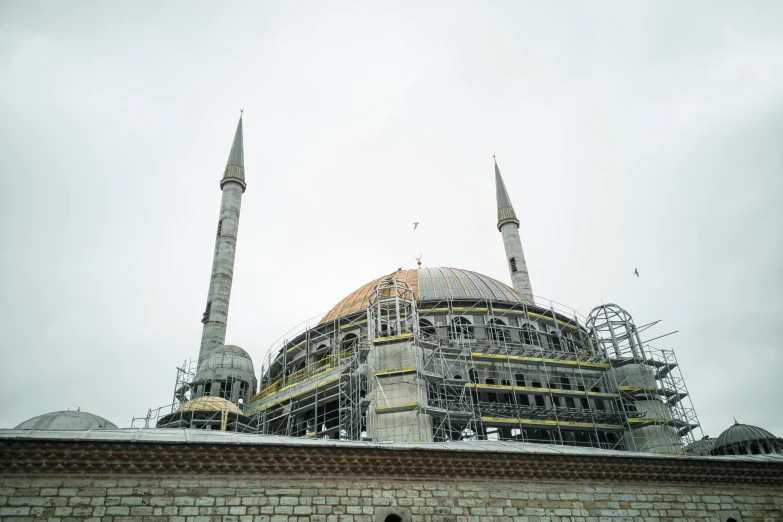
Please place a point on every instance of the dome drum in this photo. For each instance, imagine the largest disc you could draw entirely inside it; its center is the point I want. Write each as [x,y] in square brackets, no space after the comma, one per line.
[480,322]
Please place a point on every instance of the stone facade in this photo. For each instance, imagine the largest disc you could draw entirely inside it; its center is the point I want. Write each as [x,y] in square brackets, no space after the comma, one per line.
[137,499]
[188,482]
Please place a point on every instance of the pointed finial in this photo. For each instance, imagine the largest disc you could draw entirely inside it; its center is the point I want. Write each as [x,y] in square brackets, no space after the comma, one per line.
[506,212]
[735,421]
[235,166]
[418,260]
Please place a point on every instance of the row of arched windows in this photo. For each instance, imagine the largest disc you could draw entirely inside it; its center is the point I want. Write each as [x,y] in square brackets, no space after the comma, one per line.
[497,330]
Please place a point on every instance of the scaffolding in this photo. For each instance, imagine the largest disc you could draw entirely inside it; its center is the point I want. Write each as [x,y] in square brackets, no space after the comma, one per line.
[656,406]
[509,376]
[192,405]
[182,394]
[450,369]
[311,382]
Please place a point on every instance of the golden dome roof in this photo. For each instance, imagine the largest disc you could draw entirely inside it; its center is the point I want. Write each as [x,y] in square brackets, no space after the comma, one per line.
[208,402]
[430,284]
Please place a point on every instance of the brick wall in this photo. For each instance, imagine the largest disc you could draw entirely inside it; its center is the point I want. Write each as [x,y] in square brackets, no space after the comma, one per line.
[200,499]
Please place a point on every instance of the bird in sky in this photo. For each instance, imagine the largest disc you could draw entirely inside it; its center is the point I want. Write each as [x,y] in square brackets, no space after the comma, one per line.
[416,224]
[636,271]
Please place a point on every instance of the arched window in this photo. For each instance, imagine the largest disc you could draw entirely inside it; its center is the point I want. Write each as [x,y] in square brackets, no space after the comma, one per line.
[473,375]
[530,335]
[554,342]
[426,328]
[349,342]
[392,518]
[322,356]
[496,329]
[225,392]
[461,329]
[571,343]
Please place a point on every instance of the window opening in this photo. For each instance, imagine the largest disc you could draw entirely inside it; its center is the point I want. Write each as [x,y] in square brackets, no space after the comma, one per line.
[513,263]
[585,402]
[530,335]
[461,328]
[426,328]
[555,340]
[491,396]
[505,397]
[497,331]
[538,398]
[349,342]
[205,316]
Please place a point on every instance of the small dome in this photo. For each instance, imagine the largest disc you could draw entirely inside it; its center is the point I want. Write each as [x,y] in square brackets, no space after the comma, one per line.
[701,447]
[67,420]
[209,403]
[224,362]
[739,433]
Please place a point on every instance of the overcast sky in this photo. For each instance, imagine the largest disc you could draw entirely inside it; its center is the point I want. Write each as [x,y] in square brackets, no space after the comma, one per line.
[630,134]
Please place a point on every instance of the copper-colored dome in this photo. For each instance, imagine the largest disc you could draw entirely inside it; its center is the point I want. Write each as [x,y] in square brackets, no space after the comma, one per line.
[431,284]
[209,403]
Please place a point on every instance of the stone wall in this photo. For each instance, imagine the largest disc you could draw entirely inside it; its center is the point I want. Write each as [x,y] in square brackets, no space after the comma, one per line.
[218,476]
[142,499]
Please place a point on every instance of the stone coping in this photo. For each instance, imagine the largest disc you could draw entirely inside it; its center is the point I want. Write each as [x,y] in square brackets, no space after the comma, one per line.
[88,454]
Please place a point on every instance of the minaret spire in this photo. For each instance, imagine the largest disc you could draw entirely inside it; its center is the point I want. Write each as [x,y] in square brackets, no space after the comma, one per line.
[235,166]
[233,185]
[508,224]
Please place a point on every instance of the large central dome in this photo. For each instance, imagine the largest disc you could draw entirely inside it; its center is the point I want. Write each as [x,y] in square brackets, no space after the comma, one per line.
[431,283]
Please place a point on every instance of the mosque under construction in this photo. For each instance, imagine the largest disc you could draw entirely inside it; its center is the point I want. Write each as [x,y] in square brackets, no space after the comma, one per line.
[439,355]
[426,395]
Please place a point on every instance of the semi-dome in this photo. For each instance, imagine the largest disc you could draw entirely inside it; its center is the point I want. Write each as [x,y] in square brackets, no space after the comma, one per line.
[744,438]
[431,284]
[67,420]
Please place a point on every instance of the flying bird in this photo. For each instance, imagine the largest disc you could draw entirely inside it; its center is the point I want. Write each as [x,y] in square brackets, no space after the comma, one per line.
[636,271]
[416,224]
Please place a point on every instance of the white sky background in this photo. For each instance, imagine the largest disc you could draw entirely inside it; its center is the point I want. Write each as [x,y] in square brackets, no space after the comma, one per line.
[629,135]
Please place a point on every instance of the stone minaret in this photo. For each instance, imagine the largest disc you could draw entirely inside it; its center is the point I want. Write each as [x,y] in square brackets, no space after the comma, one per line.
[508,224]
[233,186]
